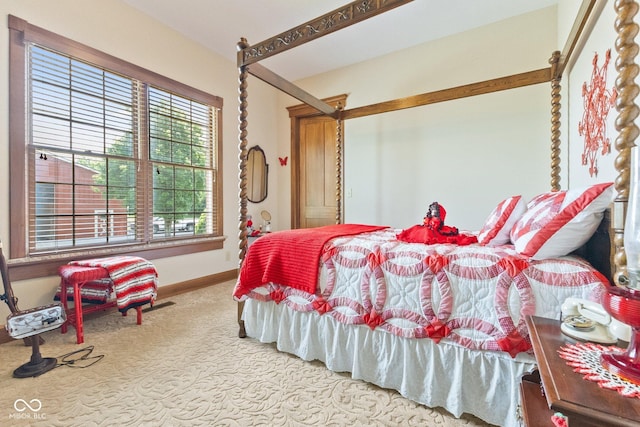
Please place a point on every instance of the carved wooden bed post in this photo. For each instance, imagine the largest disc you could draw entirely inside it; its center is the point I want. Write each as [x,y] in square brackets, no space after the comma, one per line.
[242,157]
[339,165]
[627,109]
[555,121]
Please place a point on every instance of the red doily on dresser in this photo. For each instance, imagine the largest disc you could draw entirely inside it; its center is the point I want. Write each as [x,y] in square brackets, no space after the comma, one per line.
[585,359]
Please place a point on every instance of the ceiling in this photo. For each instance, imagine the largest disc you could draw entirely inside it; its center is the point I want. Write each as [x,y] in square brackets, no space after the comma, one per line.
[219,24]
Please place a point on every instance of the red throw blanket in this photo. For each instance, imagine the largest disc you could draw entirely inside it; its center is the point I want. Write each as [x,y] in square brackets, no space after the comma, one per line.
[290,257]
[135,280]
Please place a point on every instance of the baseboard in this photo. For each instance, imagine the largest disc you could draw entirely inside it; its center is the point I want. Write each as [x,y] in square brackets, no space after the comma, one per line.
[195,284]
[169,291]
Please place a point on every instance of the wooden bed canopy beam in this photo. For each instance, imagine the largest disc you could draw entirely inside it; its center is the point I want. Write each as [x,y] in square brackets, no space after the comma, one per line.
[585,20]
[360,10]
[284,85]
[328,23]
[542,75]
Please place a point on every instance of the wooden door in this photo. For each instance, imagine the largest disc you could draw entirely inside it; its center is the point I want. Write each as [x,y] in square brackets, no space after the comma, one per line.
[317,198]
[314,172]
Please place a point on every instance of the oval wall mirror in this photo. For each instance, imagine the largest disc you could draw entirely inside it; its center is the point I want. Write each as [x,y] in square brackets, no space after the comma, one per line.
[257,175]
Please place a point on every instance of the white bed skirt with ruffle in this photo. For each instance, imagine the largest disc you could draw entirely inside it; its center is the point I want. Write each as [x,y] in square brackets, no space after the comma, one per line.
[482,383]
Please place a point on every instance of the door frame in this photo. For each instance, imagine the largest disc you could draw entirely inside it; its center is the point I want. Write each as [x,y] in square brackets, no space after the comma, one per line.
[297,113]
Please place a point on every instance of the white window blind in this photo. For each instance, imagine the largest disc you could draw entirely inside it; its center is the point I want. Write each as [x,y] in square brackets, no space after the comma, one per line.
[113,160]
[182,151]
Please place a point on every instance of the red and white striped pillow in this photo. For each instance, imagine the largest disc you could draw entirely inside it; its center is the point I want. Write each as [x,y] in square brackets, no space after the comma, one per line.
[498,225]
[559,222]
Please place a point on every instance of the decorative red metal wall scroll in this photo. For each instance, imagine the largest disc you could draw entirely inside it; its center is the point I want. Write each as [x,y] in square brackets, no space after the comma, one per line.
[598,101]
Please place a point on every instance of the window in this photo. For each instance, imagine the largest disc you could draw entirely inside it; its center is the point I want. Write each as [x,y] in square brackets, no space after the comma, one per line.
[115,158]
[180,133]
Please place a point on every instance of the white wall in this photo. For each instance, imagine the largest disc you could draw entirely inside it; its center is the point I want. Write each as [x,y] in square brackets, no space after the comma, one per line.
[466,154]
[122,31]
[567,12]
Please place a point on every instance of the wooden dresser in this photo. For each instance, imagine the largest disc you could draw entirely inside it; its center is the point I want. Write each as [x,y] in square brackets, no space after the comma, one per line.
[565,391]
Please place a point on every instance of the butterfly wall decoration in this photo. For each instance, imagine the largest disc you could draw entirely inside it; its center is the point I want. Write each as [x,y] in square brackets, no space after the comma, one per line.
[283,161]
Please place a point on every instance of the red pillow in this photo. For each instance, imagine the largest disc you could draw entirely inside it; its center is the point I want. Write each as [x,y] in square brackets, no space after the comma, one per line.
[498,225]
[557,223]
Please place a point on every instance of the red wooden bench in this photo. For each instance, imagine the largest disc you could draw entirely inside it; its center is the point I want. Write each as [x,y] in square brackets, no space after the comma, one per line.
[75,277]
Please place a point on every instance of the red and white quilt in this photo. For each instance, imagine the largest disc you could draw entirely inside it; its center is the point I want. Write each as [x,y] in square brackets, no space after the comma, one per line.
[475,296]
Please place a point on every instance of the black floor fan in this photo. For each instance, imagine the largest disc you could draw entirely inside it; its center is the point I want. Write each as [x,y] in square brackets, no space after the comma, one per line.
[28,325]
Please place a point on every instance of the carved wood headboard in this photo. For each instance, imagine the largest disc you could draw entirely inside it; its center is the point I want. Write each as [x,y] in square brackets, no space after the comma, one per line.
[598,249]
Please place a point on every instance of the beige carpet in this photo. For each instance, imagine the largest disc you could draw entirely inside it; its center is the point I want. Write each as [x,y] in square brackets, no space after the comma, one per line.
[185,366]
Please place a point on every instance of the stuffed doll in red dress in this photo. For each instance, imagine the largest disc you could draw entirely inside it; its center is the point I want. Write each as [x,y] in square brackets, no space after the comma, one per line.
[433,230]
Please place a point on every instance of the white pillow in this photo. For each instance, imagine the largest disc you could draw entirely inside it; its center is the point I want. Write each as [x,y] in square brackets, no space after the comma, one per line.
[498,225]
[557,223]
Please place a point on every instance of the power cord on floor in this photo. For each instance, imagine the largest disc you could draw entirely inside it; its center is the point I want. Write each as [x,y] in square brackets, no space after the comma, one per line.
[79,358]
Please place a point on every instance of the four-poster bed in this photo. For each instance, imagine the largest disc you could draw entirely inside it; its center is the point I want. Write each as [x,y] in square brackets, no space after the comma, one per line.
[446,369]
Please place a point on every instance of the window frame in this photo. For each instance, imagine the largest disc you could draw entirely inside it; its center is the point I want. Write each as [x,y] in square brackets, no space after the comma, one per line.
[22,264]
